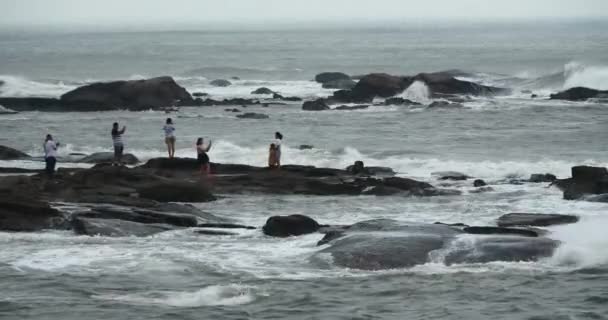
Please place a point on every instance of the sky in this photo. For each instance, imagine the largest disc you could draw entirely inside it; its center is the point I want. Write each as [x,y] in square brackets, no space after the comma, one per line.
[204,12]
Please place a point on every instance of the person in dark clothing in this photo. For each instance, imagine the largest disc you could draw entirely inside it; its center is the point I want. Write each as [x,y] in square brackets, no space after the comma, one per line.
[50,154]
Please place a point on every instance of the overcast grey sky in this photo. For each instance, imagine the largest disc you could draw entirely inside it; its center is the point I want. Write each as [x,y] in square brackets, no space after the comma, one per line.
[149,12]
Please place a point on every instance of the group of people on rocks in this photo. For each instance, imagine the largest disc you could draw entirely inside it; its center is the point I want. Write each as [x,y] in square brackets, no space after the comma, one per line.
[202,148]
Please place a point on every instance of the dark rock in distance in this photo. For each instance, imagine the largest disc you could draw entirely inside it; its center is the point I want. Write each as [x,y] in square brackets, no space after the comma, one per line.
[316,105]
[479,183]
[262,90]
[293,225]
[534,219]
[305,147]
[577,94]
[585,180]
[220,83]
[200,94]
[398,101]
[7,153]
[445,105]
[235,110]
[107,157]
[252,115]
[331,76]
[538,178]
[355,107]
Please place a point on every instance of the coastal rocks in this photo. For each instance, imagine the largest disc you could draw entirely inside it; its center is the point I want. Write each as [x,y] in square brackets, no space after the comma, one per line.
[398,101]
[135,95]
[585,180]
[442,83]
[277,96]
[345,84]
[479,183]
[27,215]
[4,110]
[539,178]
[445,105]
[234,110]
[331,76]
[316,105]
[220,83]
[388,244]
[176,191]
[253,115]
[293,225]
[30,104]
[578,94]
[359,168]
[108,157]
[199,94]
[534,220]
[115,228]
[305,147]
[7,153]
[450,175]
[355,107]
[262,90]
[379,84]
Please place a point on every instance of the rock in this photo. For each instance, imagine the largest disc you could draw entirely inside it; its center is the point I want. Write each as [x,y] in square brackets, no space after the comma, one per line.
[280,97]
[108,157]
[479,183]
[225,226]
[585,181]
[482,190]
[135,95]
[27,214]
[445,105]
[116,228]
[387,244]
[345,84]
[198,102]
[235,78]
[450,175]
[235,110]
[534,219]
[538,178]
[176,191]
[379,84]
[7,153]
[139,215]
[326,77]
[252,115]
[4,110]
[293,225]
[577,94]
[200,94]
[533,96]
[441,83]
[317,105]
[220,83]
[355,107]
[398,101]
[262,90]
[305,147]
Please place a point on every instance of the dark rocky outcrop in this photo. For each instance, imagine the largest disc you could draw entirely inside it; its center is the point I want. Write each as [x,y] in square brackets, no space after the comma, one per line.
[539,178]
[280,97]
[235,110]
[445,105]
[577,94]
[379,85]
[7,153]
[317,105]
[253,115]
[479,183]
[398,101]
[305,147]
[345,84]
[331,76]
[585,180]
[355,107]
[135,95]
[25,214]
[534,219]
[220,83]
[451,175]
[441,83]
[108,157]
[387,244]
[359,168]
[262,90]
[199,94]
[116,227]
[293,225]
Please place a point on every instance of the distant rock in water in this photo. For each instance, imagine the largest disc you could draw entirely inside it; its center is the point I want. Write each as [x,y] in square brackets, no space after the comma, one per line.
[280,97]
[136,95]
[585,180]
[539,177]
[220,83]
[262,90]
[294,225]
[326,77]
[398,101]
[445,83]
[534,220]
[235,110]
[317,105]
[355,107]
[479,183]
[578,94]
[379,84]
[107,157]
[445,105]
[345,84]
[450,175]
[200,94]
[305,147]
[252,115]
[7,153]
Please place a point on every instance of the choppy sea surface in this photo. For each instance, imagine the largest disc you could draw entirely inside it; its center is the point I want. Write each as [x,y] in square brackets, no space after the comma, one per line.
[182,275]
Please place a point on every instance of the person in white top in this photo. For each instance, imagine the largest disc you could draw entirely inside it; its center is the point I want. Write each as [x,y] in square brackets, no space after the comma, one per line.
[278,139]
[119,146]
[50,155]
[170,137]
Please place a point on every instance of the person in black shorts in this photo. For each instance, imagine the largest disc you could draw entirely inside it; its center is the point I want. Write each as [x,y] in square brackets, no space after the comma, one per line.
[203,158]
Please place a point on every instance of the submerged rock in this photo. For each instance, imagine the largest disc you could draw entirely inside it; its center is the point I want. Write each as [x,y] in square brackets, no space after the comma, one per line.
[262,90]
[116,228]
[444,83]
[7,153]
[355,107]
[379,85]
[293,225]
[252,115]
[479,183]
[445,105]
[450,175]
[331,76]
[398,101]
[535,219]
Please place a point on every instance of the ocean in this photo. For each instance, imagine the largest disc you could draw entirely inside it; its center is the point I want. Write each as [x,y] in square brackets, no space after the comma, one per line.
[180,275]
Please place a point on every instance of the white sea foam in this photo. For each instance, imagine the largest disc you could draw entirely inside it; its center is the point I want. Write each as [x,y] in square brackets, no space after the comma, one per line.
[579,75]
[583,244]
[217,295]
[16,86]
[418,92]
[243,88]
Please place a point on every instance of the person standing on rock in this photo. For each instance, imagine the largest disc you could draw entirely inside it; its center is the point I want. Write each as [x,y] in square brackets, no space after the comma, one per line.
[278,139]
[118,144]
[50,155]
[203,158]
[170,137]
